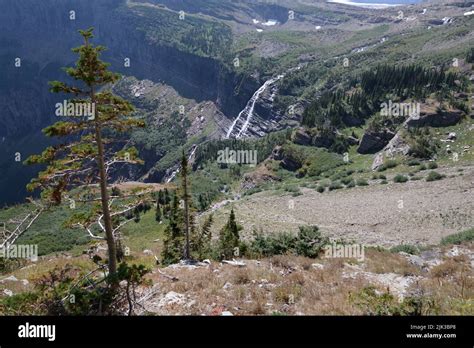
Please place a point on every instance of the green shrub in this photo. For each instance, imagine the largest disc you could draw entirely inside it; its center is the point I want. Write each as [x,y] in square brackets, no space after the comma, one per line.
[372,302]
[399,178]
[308,242]
[92,295]
[434,176]
[346,180]
[413,162]
[387,165]
[423,144]
[458,238]
[384,182]
[25,303]
[407,248]
[320,189]
[362,182]
[422,167]
[432,165]
[335,185]
[253,190]
[351,184]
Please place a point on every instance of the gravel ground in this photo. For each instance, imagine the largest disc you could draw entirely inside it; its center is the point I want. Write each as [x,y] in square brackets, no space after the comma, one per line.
[416,212]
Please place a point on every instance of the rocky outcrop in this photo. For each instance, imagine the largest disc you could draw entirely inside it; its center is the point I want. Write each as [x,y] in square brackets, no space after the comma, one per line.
[258,177]
[286,162]
[301,137]
[290,164]
[373,142]
[430,117]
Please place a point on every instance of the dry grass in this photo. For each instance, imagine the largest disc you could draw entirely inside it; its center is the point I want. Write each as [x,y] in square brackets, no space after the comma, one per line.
[290,285]
[387,262]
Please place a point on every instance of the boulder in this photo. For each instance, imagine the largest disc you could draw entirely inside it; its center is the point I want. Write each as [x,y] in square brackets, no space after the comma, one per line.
[11,278]
[290,164]
[378,161]
[172,298]
[277,153]
[323,140]
[452,136]
[301,137]
[8,292]
[373,142]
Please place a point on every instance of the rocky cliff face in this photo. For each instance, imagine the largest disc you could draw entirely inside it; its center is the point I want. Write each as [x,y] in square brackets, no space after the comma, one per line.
[42,33]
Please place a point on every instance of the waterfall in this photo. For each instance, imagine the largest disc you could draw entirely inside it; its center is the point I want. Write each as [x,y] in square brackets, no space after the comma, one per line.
[247,112]
[173,175]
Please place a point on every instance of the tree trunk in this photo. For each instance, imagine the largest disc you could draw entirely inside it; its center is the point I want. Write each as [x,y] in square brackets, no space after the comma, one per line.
[187,255]
[104,195]
[105,204]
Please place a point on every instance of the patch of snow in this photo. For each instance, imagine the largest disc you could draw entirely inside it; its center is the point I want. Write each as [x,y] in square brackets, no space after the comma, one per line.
[363,4]
[270,23]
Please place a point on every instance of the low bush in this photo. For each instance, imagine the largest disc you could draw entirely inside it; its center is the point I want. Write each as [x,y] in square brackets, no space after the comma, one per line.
[346,180]
[335,185]
[406,248]
[373,302]
[413,162]
[387,165]
[351,184]
[399,178]
[458,238]
[434,176]
[308,242]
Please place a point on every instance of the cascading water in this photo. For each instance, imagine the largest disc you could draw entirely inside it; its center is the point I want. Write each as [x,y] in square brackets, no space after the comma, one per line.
[173,175]
[247,112]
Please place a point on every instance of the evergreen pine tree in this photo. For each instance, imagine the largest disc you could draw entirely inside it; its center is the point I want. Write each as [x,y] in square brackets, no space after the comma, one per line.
[158,215]
[186,198]
[204,239]
[229,237]
[84,156]
[173,242]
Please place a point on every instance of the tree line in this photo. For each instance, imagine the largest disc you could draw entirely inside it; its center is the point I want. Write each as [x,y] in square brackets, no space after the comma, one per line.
[361,98]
